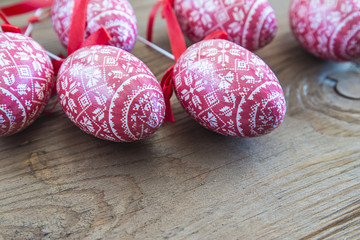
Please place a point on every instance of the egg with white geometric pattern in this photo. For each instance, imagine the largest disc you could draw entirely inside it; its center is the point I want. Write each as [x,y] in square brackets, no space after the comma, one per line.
[109,93]
[26,82]
[250,23]
[327,29]
[117,16]
[228,89]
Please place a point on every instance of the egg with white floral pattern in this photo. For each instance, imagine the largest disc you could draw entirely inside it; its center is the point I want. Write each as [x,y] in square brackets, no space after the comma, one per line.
[250,23]
[117,16]
[327,29]
[109,93]
[26,82]
[228,89]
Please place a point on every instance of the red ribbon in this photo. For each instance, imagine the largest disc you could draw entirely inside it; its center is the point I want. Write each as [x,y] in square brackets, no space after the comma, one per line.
[25,7]
[7,27]
[22,8]
[4,18]
[10,28]
[77,25]
[178,47]
[77,32]
[167,88]
[151,20]
[218,34]
[176,37]
[100,37]
[57,64]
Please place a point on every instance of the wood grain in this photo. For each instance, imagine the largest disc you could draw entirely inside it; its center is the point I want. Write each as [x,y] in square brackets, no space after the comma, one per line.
[184,182]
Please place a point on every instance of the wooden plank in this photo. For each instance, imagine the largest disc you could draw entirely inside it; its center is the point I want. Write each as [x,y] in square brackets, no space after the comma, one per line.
[184,182]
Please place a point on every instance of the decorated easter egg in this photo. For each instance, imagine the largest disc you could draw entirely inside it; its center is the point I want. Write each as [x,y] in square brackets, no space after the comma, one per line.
[25,84]
[327,29]
[249,23]
[117,16]
[228,89]
[111,94]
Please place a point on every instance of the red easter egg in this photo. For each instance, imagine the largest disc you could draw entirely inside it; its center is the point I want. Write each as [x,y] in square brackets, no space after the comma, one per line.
[228,89]
[117,16]
[249,23]
[25,84]
[327,29]
[111,94]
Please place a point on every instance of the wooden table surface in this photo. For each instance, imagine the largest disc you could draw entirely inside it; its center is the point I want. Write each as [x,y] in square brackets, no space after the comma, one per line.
[300,182]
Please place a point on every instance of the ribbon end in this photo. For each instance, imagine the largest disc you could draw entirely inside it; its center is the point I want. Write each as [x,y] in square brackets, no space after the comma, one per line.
[100,37]
[167,87]
[169,116]
[10,28]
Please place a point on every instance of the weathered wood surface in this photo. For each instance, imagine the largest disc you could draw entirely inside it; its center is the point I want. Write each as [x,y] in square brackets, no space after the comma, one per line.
[299,182]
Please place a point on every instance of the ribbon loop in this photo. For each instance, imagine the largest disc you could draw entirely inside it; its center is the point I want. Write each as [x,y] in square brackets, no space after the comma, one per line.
[176,37]
[177,44]
[151,20]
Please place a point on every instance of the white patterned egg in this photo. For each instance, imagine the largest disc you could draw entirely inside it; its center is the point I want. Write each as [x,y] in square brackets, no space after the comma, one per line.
[26,82]
[228,89]
[327,29]
[250,23]
[109,93]
[117,16]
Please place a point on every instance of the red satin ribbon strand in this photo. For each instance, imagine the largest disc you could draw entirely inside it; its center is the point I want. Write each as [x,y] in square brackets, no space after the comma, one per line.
[178,47]
[171,2]
[25,7]
[218,34]
[10,28]
[176,36]
[167,87]
[7,27]
[4,18]
[100,37]
[57,65]
[151,20]
[77,25]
